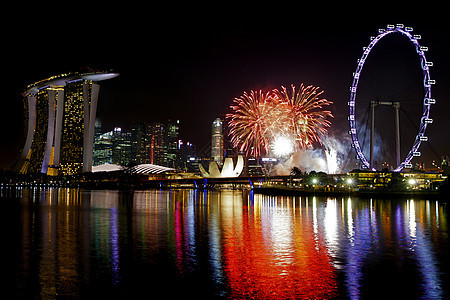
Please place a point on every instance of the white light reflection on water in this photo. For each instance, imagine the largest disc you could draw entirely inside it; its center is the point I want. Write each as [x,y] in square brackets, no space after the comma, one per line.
[412,222]
[419,243]
[350,229]
[331,228]
[215,251]
[281,240]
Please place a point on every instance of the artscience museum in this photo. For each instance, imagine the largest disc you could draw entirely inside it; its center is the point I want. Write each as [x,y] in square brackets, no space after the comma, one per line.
[228,169]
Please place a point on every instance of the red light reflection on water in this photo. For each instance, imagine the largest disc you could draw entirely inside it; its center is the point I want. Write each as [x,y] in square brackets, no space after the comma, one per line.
[262,263]
[179,242]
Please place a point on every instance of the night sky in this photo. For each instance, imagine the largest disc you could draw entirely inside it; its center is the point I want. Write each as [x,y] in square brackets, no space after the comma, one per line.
[189,63]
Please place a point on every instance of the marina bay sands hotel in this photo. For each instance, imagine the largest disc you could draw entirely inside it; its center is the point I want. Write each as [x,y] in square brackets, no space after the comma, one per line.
[61,113]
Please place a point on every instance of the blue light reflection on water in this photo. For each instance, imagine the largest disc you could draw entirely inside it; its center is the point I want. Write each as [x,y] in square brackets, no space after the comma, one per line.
[114,245]
[75,242]
[359,249]
[421,246]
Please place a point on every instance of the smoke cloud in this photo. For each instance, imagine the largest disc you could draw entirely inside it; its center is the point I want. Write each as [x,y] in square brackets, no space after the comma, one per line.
[332,157]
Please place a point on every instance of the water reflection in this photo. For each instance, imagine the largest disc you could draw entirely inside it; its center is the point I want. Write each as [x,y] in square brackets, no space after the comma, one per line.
[273,250]
[228,243]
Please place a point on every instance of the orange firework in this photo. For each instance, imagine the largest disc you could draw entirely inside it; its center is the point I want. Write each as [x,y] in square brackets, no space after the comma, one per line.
[248,124]
[304,113]
[257,118]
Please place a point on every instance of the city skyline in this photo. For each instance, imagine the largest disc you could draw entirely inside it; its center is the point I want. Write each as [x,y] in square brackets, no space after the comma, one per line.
[197,70]
[153,143]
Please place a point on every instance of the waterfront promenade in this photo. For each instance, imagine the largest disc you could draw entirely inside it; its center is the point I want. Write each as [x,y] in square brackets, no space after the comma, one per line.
[378,184]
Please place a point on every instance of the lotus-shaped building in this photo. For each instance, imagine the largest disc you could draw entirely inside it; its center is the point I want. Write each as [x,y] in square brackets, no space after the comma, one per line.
[228,169]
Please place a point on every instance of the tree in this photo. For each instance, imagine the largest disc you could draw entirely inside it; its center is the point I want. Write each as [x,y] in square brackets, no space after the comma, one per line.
[296,172]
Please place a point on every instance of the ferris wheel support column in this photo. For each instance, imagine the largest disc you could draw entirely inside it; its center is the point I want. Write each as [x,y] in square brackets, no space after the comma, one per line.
[396,105]
[372,129]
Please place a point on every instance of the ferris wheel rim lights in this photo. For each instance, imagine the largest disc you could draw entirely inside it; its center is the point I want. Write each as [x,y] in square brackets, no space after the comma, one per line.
[427,100]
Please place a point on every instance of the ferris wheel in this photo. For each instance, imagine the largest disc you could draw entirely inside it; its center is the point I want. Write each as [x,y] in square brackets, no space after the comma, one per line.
[425,120]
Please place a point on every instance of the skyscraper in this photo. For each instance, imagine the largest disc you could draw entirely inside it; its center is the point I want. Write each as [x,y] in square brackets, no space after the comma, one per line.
[121,147]
[139,149]
[217,141]
[114,147]
[103,148]
[155,137]
[61,114]
[171,143]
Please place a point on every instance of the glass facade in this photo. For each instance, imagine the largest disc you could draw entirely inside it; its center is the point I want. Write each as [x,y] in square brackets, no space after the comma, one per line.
[155,132]
[172,143]
[121,147]
[103,149]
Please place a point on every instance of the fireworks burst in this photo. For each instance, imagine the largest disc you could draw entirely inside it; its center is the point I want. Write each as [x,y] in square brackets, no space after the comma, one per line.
[258,118]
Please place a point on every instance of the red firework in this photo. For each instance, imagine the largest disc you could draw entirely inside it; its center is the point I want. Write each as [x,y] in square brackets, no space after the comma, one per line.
[258,117]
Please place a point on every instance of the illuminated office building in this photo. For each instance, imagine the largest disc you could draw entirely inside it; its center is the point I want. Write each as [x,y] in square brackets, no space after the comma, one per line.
[121,147]
[139,151]
[171,143]
[61,114]
[103,149]
[155,145]
[217,141]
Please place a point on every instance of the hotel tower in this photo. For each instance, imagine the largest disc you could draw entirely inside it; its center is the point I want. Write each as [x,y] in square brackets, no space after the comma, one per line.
[60,111]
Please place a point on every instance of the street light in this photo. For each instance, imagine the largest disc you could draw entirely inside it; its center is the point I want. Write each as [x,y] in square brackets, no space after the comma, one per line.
[411,181]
